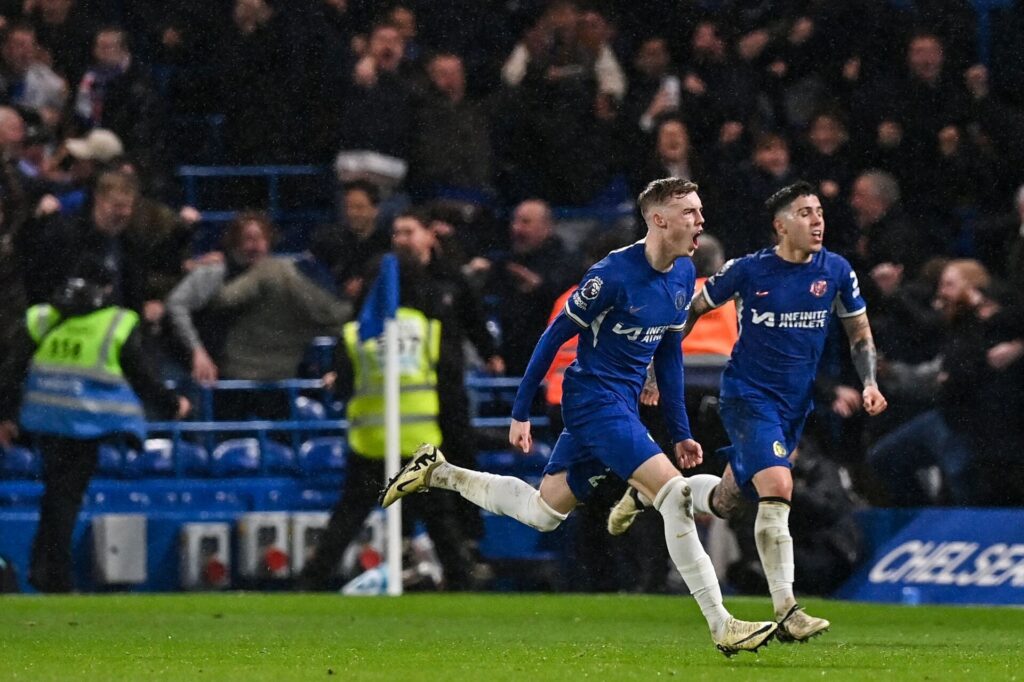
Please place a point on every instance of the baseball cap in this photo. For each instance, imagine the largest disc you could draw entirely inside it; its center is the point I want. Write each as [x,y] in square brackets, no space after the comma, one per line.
[99,145]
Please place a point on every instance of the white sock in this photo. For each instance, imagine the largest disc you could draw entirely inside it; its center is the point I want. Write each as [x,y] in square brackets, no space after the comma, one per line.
[688,554]
[505,495]
[702,486]
[775,547]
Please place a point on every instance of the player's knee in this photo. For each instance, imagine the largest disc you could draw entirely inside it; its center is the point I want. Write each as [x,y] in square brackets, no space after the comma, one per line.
[674,495]
[541,516]
[725,505]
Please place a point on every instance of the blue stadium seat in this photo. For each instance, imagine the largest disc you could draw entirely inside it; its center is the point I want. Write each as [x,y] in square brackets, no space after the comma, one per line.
[18,495]
[107,500]
[157,458]
[212,499]
[193,459]
[308,409]
[236,457]
[278,459]
[20,463]
[110,463]
[323,455]
[316,500]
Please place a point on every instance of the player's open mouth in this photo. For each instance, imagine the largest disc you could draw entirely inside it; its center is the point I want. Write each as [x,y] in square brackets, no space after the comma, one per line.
[817,235]
[696,239]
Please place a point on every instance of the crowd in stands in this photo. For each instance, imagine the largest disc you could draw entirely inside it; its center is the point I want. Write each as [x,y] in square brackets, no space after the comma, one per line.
[487,114]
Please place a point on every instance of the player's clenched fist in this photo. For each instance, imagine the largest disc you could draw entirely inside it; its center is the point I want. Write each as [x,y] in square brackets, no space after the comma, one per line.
[519,435]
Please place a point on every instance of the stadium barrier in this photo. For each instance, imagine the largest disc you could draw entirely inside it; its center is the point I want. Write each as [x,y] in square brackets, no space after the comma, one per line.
[944,556]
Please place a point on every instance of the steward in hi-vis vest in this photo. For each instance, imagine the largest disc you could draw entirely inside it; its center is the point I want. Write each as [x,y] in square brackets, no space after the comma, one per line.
[419,347]
[75,374]
[76,387]
[436,314]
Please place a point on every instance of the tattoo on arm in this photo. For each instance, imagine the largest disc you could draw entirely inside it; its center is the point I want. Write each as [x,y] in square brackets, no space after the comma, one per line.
[862,349]
[698,306]
[652,381]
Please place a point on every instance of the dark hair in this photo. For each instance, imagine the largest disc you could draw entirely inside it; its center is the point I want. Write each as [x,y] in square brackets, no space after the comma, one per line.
[17,27]
[114,28]
[769,140]
[233,235]
[419,215]
[785,196]
[112,181]
[366,187]
[658,192]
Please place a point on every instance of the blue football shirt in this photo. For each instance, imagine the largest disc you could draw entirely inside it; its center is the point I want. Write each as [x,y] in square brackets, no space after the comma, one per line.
[784,311]
[624,307]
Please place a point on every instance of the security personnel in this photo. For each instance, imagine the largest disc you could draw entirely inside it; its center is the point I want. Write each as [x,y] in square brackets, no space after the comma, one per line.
[81,364]
[425,386]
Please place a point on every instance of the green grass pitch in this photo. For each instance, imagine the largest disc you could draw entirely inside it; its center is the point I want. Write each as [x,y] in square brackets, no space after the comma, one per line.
[483,637]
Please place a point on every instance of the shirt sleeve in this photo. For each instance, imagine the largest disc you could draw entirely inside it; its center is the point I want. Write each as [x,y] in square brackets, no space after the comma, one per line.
[557,333]
[668,369]
[849,302]
[724,284]
[596,293]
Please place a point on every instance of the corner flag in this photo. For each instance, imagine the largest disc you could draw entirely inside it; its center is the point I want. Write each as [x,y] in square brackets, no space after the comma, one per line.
[381,301]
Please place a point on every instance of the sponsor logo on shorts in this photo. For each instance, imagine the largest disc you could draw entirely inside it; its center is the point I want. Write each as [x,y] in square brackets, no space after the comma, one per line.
[779,449]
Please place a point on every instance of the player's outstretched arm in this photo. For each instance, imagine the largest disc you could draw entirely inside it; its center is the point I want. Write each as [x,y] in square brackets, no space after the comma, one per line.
[865,361]
[558,332]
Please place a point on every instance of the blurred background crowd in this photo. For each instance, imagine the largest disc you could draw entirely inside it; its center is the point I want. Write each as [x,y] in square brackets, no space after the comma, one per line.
[515,129]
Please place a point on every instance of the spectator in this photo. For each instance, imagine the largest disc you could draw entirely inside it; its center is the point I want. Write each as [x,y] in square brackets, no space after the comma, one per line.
[654,88]
[52,244]
[974,434]
[257,80]
[275,311]
[347,249]
[885,236]
[558,133]
[64,30]
[827,162]
[26,81]
[527,282]
[718,94]
[768,170]
[443,116]
[247,241]
[376,119]
[73,169]
[117,94]
[673,155]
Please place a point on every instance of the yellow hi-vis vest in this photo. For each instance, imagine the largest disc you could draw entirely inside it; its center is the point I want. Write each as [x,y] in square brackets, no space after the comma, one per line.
[419,348]
[75,386]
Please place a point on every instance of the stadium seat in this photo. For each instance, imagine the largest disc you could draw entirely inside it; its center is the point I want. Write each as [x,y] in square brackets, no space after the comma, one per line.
[117,500]
[307,409]
[20,463]
[212,500]
[157,458]
[236,457]
[17,495]
[323,455]
[278,459]
[110,461]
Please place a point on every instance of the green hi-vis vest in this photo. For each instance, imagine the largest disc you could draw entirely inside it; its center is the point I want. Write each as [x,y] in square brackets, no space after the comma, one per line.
[76,387]
[419,347]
